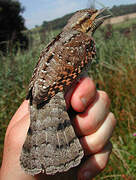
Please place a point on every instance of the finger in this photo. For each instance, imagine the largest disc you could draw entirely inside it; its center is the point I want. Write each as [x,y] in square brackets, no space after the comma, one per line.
[17,134]
[95,164]
[84,92]
[89,121]
[22,111]
[13,145]
[95,142]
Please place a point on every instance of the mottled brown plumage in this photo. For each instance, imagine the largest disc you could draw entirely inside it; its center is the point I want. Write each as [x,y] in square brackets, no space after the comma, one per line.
[51,145]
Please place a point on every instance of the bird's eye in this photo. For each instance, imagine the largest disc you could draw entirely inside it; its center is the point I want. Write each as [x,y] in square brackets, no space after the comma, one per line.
[89,15]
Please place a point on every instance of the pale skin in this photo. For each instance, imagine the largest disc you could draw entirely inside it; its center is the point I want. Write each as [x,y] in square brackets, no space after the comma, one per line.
[94,126]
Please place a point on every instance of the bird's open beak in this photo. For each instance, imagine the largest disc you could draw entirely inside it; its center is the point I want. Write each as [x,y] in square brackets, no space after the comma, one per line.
[98,21]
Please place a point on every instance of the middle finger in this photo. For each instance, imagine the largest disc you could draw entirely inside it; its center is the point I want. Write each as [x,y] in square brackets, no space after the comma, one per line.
[89,121]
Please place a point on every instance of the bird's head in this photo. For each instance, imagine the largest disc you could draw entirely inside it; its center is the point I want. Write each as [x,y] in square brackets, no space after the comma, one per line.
[86,20]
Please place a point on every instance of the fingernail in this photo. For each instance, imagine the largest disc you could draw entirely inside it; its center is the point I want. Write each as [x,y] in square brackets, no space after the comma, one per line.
[84,101]
[87,175]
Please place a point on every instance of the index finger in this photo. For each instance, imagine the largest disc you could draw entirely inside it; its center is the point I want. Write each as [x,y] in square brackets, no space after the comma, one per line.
[83,94]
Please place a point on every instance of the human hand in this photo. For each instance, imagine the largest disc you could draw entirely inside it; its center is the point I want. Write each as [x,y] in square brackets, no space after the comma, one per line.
[94,126]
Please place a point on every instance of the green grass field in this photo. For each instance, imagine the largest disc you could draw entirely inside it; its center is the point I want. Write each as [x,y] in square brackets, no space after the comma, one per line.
[115,73]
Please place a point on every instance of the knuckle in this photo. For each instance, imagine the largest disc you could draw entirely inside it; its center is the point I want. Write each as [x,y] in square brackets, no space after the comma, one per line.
[95,145]
[102,164]
[104,159]
[105,97]
[113,119]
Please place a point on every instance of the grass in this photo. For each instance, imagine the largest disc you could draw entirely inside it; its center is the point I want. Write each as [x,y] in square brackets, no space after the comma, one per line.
[15,71]
[124,25]
[115,74]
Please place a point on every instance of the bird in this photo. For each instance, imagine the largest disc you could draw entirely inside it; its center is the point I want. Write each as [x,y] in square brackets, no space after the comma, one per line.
[51,145]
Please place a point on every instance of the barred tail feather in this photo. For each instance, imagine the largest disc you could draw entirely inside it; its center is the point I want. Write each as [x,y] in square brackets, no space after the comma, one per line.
[51,145]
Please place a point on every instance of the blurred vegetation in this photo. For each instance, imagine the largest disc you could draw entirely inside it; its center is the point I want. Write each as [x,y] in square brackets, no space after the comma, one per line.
[123,9]
[57,23]
[115,73]
[11,26]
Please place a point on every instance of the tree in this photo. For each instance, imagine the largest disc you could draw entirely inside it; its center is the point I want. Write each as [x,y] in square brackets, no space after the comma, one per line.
[12,25]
